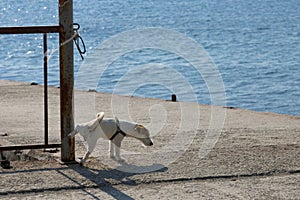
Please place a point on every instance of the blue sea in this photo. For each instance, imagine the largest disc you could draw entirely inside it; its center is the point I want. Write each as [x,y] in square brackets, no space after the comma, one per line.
[254,45]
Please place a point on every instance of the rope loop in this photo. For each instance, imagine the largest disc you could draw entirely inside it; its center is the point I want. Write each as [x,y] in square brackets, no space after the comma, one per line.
[78,40]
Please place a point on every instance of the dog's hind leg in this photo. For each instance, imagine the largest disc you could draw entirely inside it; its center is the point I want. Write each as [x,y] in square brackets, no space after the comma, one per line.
[85,157]
[73,133]
[91,144]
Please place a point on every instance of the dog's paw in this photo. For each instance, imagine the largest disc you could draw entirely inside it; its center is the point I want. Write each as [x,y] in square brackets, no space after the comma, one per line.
[118,159]
[121,160]
[81,162]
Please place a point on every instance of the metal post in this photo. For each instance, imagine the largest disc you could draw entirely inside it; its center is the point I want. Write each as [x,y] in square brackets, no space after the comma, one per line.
[66,80]
[45,89]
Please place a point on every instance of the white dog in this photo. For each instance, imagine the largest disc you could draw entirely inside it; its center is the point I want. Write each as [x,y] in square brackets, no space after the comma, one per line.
[113,130]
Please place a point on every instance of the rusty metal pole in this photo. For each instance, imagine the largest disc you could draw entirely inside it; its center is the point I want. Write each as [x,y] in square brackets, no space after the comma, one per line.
[66,79]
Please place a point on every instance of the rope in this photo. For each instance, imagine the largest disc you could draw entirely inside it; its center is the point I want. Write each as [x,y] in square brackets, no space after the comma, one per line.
[77,40]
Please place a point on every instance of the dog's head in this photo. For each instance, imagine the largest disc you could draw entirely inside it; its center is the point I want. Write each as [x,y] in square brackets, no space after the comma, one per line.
[143,135]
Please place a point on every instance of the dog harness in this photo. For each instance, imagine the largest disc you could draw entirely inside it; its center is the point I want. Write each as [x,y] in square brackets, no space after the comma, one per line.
[119,131]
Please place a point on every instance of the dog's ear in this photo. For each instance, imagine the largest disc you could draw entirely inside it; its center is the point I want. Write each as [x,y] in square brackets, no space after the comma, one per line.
[138,127]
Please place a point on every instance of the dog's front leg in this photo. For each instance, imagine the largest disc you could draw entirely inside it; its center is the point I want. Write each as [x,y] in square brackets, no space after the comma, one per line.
[111,149]
[116,145]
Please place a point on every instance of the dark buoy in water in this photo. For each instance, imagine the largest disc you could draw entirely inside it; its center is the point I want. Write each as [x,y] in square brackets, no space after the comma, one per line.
[174,98]
[34,83]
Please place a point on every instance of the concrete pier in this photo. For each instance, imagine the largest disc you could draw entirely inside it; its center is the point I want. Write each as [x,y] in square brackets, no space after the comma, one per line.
[256,155]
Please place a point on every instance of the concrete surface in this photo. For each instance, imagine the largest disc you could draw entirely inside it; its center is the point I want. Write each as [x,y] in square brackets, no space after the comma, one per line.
[256,155]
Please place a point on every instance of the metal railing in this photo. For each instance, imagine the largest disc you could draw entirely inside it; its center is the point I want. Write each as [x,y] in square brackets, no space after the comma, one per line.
[33,30]
[66,66]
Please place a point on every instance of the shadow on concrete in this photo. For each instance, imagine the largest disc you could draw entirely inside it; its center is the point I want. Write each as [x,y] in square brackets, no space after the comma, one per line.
[106,179]
[102,179]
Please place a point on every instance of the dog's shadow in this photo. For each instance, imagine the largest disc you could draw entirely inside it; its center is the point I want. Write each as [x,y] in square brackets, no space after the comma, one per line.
[106,179]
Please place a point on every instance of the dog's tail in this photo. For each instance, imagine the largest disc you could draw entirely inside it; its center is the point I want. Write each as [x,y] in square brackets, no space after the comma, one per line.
[95,122]
[100,116]
[92,125]
[73,133]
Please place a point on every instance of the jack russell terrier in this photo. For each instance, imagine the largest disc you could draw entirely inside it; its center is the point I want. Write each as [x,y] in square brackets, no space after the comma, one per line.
[113,130]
